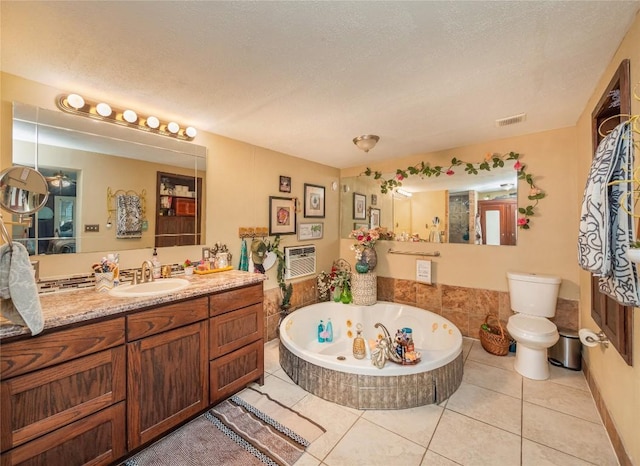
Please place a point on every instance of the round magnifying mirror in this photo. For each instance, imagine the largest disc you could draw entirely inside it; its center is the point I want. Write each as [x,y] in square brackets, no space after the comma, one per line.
[23,190]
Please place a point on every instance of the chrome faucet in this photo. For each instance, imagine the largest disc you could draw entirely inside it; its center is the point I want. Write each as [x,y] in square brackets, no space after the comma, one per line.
[146,273]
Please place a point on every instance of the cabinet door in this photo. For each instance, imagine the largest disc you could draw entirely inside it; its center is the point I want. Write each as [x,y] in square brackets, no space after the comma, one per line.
[235,329]
[235,370]
[167,381]
[42,401]
[94,440]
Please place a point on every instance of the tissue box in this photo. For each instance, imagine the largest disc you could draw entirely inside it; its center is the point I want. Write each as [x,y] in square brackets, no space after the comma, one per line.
[186,207]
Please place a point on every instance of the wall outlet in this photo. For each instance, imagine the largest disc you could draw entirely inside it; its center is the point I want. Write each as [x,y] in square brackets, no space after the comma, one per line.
[92,228]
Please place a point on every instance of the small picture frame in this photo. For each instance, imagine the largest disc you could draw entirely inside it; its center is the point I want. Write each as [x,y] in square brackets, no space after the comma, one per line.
[285,184]
[374,218]
[282,216]
[357,226]
[313,201]
[307,231]
[374,199]
[359,206]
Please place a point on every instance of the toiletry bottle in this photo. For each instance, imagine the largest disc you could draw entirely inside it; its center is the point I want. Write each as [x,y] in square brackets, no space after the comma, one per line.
[157,272]
[321,332]
[359,350]
[329,331]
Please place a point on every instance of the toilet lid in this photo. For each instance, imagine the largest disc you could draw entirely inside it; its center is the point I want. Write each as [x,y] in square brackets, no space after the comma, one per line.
[531,324]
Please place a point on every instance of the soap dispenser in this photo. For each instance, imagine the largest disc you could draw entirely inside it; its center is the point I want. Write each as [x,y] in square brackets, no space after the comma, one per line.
[321,332]
[157,269]
[329,331]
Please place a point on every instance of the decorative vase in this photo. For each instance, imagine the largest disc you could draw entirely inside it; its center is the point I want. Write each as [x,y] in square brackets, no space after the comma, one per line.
[345,296]
[370,257]
[362,266]
[359,350]
[336,294]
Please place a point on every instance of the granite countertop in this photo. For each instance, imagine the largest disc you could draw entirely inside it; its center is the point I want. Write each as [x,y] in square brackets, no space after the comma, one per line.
[69,307]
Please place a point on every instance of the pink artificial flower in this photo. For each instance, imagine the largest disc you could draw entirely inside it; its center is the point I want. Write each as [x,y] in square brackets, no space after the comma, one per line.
[488,156]
[399,177]
[522,221]
[517,166]
[534,192]
[450,172]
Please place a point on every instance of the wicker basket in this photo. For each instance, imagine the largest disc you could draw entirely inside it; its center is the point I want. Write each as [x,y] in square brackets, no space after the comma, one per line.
[495,340]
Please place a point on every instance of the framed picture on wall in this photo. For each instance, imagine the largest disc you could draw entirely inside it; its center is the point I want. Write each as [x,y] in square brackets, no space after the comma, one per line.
[313,201]
[374,221]
[359,206]
[374,199]
[282,216]
[357,226]
[310,231]
[285,184]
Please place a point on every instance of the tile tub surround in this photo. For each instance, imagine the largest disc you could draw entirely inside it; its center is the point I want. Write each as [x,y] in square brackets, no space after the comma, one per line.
[69,307]
[465,307]
[373,391]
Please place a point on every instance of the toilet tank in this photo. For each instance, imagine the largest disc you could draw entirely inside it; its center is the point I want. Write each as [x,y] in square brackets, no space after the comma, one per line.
[533,294]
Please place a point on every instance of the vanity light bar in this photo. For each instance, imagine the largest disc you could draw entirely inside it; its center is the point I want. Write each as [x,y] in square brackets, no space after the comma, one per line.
[76,105]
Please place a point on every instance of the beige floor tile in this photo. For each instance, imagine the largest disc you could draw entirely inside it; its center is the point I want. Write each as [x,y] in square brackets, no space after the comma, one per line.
[467,343]
[471,442]
[336,419]
[494,408]
[308,460]
[433,459]
[368,444]
[561,398]
[534,454]
[563,376]
[271,356]
[569,434]
[494,378]
[479,354]
[282,375]
[286,393]
[415,424]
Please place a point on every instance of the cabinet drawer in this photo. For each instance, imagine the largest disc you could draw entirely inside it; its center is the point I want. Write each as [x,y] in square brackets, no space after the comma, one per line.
[233,330]
[28,355]
[40,402]
[95,440]
[147,323]
[235,299]
[230,373]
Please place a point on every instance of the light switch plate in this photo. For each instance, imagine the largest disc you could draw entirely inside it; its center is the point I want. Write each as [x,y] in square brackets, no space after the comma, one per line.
[92,228]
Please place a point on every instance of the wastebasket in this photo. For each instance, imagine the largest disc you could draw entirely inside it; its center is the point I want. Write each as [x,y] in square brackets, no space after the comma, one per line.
[567,351]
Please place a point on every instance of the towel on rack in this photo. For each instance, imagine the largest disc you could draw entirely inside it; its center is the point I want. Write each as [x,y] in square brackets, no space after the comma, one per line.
[20,301]
[244,258]
[128,216]
[478,228]
[606,220]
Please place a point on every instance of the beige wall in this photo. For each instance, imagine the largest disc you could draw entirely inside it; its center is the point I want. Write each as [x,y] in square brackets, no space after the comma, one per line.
[548,247]
[619,383]
[240,179]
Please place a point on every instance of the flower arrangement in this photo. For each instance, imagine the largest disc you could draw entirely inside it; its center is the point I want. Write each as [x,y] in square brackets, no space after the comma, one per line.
[339,278]
[365,238]
[490,161]
[187,263]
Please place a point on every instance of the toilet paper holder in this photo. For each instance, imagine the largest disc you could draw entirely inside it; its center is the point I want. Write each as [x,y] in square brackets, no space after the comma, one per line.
[602,339]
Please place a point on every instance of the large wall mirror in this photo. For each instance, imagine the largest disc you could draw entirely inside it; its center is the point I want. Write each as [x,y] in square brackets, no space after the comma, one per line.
[465,209]
[111,188]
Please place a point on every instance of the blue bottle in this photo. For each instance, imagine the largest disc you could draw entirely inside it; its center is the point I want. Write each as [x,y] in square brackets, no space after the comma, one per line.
[329,331]
[321,332]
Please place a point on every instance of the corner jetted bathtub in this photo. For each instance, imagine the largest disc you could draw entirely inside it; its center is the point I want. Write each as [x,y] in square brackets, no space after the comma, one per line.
[330,371]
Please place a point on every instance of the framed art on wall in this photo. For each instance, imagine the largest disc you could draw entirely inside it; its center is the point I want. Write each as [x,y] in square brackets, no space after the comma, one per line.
[374,221]
[313,201]
[282,216]
[359,206]
[310,231]
[285,184]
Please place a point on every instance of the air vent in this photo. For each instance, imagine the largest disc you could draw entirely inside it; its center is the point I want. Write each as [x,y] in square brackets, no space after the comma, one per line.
[299,261]
[512,120]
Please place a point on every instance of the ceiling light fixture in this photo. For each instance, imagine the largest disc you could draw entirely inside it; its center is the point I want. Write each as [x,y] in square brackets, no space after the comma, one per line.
[366,142]
[75,104]
[403,192]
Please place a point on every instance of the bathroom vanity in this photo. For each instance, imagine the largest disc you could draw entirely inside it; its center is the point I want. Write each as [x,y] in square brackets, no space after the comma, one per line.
[110,375]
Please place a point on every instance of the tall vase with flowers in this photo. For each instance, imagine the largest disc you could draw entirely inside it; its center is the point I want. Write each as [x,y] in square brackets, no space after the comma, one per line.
[366,257]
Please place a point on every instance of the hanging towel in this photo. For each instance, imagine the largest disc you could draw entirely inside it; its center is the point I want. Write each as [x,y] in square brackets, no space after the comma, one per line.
[606,228]
[18,290]
[244,258]
[128,216]
[478,227]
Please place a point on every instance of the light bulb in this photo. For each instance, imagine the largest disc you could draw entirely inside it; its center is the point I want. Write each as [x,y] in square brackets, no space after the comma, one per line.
[153,122]
[190,132]
[103,109]
[130,116]
[75,101]
[173,127]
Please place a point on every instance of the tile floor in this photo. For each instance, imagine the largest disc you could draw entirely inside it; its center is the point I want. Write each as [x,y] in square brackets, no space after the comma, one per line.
[496,418]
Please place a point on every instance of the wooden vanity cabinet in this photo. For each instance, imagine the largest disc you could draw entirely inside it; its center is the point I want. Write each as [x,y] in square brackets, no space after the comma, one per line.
[167,368]
[236,341]
[62,397]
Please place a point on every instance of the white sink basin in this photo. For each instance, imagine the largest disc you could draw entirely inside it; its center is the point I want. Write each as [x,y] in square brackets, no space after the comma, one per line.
[156,288]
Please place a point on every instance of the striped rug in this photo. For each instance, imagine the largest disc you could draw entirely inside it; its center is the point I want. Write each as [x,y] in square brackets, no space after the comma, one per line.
[235,432]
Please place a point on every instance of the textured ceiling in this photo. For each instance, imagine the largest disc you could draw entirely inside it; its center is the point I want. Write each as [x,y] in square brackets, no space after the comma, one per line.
[305,78]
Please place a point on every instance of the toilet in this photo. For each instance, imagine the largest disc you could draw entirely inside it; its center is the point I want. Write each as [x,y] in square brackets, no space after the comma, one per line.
[533,299]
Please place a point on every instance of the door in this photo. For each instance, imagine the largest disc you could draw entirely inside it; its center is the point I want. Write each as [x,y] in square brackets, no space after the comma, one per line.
[498,221]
